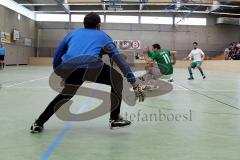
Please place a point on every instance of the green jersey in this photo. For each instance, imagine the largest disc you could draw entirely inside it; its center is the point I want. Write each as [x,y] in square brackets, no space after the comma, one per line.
[163,59]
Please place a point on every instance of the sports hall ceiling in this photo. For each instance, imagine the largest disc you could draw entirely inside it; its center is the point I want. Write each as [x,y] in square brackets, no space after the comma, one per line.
[228,7]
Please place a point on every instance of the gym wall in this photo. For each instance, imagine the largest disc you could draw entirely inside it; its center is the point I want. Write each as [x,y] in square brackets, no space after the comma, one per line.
[213,38]
[17,52]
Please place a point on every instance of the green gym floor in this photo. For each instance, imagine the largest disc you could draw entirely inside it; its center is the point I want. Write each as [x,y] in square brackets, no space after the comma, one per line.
[210,131]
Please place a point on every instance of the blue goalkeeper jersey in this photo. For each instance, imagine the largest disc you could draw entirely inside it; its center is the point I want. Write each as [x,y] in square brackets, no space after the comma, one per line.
[90,42]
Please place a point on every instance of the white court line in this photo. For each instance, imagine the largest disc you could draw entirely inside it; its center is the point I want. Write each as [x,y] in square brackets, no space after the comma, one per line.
[25,82]
[180,86]
[202,89]
[233,79]
[180,89]
[30,87]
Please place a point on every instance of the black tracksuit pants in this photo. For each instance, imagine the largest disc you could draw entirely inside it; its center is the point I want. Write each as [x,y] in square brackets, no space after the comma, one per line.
[76,79]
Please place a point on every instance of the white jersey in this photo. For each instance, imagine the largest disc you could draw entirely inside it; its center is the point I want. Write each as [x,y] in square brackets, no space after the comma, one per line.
[196,54]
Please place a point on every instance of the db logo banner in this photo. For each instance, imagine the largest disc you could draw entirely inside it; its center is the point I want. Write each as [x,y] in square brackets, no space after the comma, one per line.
[128,44]
[136,44]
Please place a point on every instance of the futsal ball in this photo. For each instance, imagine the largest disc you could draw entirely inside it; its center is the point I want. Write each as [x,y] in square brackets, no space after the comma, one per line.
[238,45]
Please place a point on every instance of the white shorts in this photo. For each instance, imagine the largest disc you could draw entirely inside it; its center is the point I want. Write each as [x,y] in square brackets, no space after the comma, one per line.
[156,73]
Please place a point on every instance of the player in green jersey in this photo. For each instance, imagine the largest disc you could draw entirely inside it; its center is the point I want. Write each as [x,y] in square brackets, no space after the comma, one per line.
[165,60]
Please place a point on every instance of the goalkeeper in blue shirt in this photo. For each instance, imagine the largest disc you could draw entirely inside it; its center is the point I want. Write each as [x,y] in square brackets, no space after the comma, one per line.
[80,52]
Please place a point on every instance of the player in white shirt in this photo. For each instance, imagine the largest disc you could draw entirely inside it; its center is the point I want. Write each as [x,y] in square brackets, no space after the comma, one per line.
[197,57]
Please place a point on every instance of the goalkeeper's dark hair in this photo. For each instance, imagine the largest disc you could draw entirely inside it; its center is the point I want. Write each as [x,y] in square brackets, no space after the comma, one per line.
[91,20]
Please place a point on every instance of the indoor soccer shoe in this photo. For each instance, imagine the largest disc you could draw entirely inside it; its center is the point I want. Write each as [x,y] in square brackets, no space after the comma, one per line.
[141,78]
[119,123]
[35,128]
[204,77]
[171,80]
[190,78]
[148,87]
